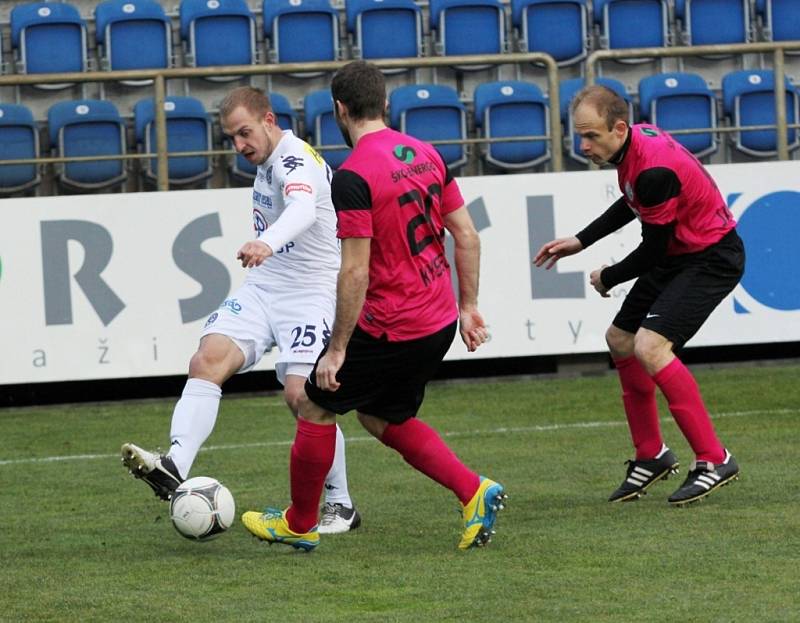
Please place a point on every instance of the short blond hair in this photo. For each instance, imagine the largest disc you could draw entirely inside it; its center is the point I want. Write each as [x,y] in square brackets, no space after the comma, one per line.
[251,99]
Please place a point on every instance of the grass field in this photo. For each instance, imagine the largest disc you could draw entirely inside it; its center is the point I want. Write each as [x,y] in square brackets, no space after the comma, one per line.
[81,541]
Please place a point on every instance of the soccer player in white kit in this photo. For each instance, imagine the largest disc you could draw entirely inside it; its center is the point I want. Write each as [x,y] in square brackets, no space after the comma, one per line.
[288,300]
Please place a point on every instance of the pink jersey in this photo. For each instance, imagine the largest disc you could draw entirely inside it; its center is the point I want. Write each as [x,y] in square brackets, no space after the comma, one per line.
[692,199]
[396,190]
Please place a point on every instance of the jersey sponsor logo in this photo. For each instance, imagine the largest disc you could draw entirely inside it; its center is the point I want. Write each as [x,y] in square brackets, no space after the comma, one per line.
[290,163]
[262,200]
[314,154]
[297,186]
[416,169]
[212,319]
[259,224]
[649,131]
[232,304]
[404,153]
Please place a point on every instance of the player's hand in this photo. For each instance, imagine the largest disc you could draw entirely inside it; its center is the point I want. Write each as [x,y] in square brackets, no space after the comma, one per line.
[472,327]
[327,367]
[597,283]
[554,250]
[253,253]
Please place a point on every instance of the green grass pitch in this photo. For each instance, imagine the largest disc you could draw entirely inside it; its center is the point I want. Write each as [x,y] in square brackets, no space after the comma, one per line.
[82,541]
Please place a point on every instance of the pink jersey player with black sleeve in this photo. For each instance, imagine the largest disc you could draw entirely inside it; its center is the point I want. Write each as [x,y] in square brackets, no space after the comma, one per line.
[396,190]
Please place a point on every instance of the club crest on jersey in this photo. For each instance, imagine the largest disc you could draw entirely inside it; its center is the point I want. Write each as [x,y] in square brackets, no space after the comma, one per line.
[628,191]
[259,224]
[290,163]
[269,175]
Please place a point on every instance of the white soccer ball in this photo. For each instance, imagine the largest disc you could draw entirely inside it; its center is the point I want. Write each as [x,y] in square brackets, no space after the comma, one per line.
[202,508]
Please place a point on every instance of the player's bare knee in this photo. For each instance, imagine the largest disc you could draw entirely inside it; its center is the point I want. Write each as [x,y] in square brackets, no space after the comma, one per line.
[374,426]
[295,398]
[650,348]
[620,343]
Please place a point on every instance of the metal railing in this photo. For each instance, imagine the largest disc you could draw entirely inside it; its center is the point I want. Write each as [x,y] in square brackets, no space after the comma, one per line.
[160,77]
[777,49]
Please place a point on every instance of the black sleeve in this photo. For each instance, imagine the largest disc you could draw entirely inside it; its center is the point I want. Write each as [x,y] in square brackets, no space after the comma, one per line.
[448,176]
[617,216]
[655,186]
[650,251]
[350,191]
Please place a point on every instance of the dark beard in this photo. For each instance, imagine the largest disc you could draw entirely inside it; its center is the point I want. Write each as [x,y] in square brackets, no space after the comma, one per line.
[345,134]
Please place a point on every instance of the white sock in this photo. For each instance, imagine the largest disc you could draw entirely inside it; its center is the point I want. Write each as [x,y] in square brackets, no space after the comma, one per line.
[192,422]
[336,481]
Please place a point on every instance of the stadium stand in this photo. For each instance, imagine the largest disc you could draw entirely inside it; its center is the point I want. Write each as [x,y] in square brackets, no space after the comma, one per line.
[708,22]
[431,112]
[49,37]
[87,128]
[748,98]
[133,34]
[678,101]
[19,138]
[205,23]
[557,27]
[467,26]
[188,129]
[632,23]
[301,31]
[384,28]
[321,126]
[512,108]
[781,19]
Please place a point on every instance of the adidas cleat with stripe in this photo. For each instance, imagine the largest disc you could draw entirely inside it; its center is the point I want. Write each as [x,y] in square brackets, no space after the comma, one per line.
[157,470]
[644,474]
[703,478]
[271,526]
[480,514]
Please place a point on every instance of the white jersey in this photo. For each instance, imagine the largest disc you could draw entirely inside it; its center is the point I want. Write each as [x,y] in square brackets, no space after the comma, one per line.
[295,181]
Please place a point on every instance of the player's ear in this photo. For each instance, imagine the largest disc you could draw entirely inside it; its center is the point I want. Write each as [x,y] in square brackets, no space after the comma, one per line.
[620,127]
[341,109]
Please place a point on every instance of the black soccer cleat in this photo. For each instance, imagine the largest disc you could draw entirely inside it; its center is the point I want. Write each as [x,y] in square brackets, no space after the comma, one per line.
[157,470]
[644,474]
[703,478]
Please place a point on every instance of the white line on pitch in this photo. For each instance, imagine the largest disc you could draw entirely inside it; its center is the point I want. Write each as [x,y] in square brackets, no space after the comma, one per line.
[489,431]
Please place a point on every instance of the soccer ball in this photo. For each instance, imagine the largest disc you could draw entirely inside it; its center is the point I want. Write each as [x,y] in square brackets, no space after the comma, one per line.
[202,508]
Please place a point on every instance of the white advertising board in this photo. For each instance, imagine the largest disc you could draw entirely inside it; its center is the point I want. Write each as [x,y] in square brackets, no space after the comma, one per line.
[113,286]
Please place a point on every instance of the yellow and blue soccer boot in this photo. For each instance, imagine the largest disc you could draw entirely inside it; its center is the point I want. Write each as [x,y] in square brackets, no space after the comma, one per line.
[480,514]
[271,526]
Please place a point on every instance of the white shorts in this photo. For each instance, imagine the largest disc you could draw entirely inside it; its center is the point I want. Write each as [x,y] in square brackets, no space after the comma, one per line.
[297,322]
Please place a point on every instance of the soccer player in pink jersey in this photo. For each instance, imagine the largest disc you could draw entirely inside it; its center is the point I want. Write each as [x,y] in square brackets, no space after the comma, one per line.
[690,258]
[396,315]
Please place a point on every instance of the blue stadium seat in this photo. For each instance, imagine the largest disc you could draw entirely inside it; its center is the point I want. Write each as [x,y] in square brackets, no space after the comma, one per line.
[49,37]
[632,23]
[431,112]
[558,27]
[512,108]
[133,34]
[321,127]
[749,99]
[19,138]
[678,101]
[244,172]
[87,128]
[384,28]
[781,20]
[468,26]
[567,91]
[301,31]
[188,129]
[205,24]
[708,22]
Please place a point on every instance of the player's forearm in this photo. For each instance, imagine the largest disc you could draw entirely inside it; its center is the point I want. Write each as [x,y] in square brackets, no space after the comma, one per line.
[467,264]
[296,218]
[616,216]
[350,295]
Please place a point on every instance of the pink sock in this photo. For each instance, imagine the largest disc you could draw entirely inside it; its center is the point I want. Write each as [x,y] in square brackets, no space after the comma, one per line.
[686,405]
[639,398]
[311,460]
[424,450]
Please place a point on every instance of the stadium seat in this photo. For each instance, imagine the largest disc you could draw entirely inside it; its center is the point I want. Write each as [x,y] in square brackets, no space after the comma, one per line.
[244,172]
[709,22]
[133,34]
[512,108]
[188,129]
[384,28]
[301,32]
[557,27]
[632,24]
[19,138]
[468,27]
[677,101]
[431,112]
[781,20]
[567,91]
[321,127]
[749,99]
[87,128]
[207,23]
[49,37]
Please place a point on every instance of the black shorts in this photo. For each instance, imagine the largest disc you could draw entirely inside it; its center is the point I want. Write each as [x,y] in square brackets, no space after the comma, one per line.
[382,378]
[675,298]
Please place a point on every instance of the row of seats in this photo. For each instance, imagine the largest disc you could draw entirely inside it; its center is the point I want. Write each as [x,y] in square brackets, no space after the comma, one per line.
[672,101]
[137,34]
